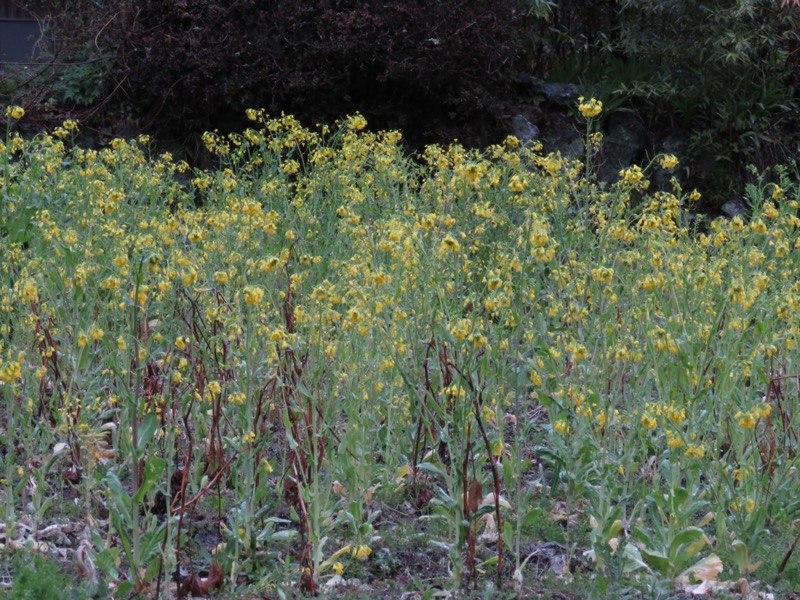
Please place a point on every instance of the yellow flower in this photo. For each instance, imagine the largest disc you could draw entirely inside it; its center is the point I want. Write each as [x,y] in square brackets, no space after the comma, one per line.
[668,161]
[337,567]
[96,333]
[589,108]
[649,421]
[361,552]
[30,293]
[633,175]
[214,387]
[758,226]
[695,451]
[763,410]
[603,274]
[253,295]
[15,112]
[189,277]
[449,244]
[517,184]
[221,277]
[10,372]
[745,420]
[356,122]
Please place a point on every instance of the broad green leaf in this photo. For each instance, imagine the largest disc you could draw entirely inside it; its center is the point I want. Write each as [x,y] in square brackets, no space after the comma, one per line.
[153,469]
[532,517]
[633,559]
[122,502]
[432,468]
[657,560]
[280,536]
[685,544]
[147,429]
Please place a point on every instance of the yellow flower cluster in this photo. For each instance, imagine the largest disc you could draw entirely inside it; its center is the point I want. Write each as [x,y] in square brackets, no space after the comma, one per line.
[590,108]
[326,269]
[15,112]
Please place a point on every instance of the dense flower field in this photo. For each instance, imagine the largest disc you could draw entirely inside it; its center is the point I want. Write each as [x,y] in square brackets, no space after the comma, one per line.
[321,342]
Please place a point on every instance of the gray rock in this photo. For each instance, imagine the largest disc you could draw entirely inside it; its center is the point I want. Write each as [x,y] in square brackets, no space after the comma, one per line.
[560,134]
[624,144]
[525,131]
[560,94]
[677,145]
[734,208]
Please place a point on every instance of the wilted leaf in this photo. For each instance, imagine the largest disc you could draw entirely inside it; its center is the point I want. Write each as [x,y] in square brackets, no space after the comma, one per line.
[402,473]
[339,489]
[203,586]
[59,448]
[474,495]
[488,500]
[706,569]
[489,528]
[370,491]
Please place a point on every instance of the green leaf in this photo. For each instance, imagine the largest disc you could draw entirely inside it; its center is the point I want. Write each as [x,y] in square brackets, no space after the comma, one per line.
[153,470]
[633,559]
[642,535]
[147,428]
[441,545]
[490,562]
[657,560]
[508,532]
[615,528]
[679,496]
[432,468]
[532,517]
[686,544]
[742,556]
[281,536]
[122,502]
[125,589]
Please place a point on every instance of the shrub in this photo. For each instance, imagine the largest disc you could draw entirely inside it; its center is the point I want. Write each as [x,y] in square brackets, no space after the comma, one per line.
[725,72]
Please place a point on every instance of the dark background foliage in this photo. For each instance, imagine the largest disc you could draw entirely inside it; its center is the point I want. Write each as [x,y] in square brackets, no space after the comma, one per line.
[428,68]
[723,73]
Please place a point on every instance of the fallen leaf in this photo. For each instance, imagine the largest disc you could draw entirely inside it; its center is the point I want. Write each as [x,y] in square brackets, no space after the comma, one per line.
[203,586]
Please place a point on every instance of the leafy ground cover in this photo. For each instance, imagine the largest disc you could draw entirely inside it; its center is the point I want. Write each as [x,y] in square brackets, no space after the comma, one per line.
[326,367]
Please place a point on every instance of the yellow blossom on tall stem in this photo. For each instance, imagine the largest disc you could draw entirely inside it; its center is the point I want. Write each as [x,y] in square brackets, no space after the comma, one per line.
[589,108]
[253,295]
[361,552]
[668,161]
[15,112]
